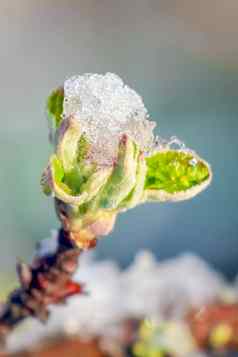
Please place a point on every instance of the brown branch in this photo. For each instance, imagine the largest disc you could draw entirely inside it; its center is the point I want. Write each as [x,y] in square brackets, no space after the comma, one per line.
[47,281]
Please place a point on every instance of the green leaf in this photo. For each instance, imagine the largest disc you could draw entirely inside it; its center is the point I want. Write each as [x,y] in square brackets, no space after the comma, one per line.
[123,177]
[59,185]
[67,148]
[74,179]
[174,171]
[55,107]
[58,175]
[136,194]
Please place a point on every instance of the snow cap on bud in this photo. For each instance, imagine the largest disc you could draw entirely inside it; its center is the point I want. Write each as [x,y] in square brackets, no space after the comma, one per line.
[106,158]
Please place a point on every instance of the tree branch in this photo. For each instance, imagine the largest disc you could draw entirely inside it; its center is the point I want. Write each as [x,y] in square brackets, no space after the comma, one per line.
[46,281]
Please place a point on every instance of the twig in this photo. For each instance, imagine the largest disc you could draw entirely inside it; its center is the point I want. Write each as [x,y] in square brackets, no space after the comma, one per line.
[46,281]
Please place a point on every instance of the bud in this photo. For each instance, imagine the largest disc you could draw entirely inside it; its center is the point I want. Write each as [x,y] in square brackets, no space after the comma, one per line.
[101,168]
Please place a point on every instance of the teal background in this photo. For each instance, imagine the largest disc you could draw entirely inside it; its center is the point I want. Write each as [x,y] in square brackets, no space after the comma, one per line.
[181,56]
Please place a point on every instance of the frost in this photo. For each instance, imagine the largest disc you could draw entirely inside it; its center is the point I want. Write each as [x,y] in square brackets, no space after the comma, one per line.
[107,108]
[47,246]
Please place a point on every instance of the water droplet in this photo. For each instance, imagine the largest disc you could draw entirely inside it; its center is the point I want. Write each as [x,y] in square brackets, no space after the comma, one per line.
[193,162]
[175,144]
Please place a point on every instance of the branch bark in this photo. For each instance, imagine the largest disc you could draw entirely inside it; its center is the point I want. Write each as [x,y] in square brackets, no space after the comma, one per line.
[46,281]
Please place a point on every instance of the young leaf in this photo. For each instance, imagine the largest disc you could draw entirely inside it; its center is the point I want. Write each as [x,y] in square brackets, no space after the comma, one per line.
[123,177]
[55,107]
[60,188]
[175,172]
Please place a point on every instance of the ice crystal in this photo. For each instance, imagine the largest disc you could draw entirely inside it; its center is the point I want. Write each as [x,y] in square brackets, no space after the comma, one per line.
[172,143]
[107,108]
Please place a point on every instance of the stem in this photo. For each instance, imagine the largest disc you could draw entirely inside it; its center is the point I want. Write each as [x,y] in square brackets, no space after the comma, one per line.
[46,281]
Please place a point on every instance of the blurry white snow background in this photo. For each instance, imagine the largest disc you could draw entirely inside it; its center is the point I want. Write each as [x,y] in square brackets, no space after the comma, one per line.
[147,288]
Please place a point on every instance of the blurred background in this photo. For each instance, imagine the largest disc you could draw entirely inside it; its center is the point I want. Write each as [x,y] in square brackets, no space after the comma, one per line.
[181,56]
